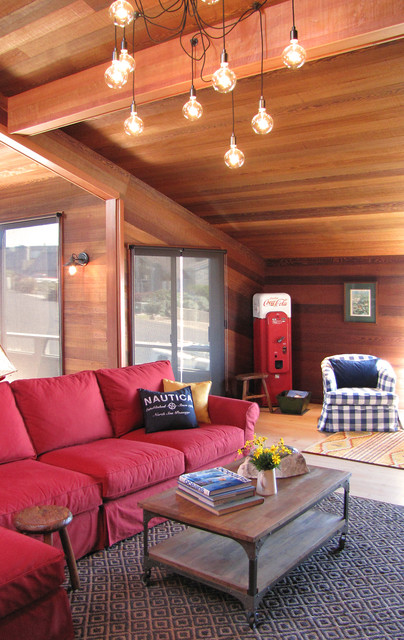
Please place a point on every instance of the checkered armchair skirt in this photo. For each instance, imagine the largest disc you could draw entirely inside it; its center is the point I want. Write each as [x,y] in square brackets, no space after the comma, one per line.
[359,408]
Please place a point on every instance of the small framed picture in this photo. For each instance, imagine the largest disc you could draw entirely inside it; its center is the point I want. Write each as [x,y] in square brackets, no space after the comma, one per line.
[360,302]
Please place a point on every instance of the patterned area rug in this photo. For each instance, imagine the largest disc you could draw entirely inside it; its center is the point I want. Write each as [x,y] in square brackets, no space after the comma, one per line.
[354,595]
[386,449]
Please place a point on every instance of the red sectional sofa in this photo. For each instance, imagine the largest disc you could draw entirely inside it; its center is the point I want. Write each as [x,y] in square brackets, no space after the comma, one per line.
[78,441]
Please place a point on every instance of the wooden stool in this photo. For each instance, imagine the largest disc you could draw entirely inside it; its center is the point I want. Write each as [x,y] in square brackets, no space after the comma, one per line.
[245,378]
[46,520]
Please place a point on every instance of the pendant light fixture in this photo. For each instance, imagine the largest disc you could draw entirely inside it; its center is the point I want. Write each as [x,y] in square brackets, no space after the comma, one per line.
[192,109]
[234,157]
[133,125]
[127,61]
[116,75]
[121,12]
[293,55]
[224,79]
[262,122]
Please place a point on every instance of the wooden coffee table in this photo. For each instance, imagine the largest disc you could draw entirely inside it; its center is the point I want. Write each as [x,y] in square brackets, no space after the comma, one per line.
[245,552]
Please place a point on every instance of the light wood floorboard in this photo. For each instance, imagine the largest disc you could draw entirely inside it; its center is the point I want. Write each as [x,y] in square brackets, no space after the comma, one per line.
[367,480]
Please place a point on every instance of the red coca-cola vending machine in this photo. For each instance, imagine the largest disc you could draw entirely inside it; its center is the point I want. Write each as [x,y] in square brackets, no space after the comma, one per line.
[272,314]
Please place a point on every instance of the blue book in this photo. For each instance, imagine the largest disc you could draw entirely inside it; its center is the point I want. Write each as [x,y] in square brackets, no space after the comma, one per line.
[214,481]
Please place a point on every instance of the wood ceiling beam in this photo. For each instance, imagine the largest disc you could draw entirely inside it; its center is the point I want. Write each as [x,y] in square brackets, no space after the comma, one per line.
[325,29]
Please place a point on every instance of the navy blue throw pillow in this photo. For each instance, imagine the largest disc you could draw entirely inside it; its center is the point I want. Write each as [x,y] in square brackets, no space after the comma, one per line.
[355,373]
[165,410]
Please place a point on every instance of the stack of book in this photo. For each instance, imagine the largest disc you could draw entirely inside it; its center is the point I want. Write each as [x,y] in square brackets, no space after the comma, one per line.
[218,490]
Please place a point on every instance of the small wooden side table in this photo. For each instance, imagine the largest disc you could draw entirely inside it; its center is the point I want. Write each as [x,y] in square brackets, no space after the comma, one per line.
[246,378]
[45,520]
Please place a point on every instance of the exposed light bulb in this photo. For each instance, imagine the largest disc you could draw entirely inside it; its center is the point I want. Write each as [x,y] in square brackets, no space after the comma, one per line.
[234,157]
[210,1]
[224,79]
[192,110]
[133,125]
[116,76]
[72,269]
[262,122]
[127,61]
[121,12]
[293,55]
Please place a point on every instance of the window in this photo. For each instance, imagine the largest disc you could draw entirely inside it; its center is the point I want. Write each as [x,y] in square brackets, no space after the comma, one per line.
[178,311]
[30,296]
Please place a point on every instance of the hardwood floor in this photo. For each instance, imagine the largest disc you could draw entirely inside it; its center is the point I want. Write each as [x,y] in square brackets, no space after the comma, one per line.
[367,481]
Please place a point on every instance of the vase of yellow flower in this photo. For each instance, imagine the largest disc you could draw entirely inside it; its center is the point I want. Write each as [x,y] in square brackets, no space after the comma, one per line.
[266,460]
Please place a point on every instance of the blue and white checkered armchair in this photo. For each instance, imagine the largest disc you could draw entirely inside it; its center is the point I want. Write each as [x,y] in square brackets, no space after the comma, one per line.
[358,408]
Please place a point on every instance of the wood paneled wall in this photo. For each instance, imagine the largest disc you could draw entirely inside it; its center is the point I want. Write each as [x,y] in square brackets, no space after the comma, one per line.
[153,219]
[84,298]
[316,287]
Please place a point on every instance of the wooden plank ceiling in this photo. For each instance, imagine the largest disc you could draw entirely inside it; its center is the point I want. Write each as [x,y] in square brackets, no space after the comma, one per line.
[327,181]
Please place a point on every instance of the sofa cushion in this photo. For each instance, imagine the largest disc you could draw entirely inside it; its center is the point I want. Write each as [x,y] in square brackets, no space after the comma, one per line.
[119,465]
[200,446]
[15,443]
[120,390]
[355,373]
[29,482]
[62,411]
[171,410]
[29,570]
[200,395]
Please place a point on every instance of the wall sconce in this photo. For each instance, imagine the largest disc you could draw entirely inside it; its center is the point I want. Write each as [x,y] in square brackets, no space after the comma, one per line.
[6,367]
[77,260]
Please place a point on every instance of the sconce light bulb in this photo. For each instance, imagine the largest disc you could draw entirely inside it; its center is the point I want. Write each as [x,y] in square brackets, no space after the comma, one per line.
[192,110]
[133,125]
[210,1]
[72,269]
[127,61]
[234,157]
[262,122]
[224,79]
[294,55]
[116,76]
[121,12]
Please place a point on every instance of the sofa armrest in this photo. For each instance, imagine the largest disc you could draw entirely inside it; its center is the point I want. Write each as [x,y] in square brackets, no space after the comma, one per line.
[238,413]
[328,375]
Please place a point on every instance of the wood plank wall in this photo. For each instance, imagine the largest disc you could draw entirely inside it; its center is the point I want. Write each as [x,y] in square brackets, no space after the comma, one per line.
[152,219]
[84,307]
[316,287]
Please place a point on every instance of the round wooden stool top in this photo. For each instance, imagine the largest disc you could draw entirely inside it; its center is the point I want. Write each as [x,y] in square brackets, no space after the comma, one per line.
[43,519]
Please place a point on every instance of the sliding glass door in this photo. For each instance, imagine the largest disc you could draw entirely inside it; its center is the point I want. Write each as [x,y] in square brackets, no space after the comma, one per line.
[178,311]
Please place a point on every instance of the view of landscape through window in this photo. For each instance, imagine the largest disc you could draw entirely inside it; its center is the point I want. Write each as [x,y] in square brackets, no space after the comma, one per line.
[30,309]
[177,300]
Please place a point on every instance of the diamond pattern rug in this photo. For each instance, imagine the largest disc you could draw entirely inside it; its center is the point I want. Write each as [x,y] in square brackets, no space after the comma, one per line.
[386,449]
[354,595]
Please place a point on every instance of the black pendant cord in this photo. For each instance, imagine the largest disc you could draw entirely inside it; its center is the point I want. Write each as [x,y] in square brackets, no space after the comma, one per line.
[134,70]
[293,13]
[262,57]
[232,109]
[224,30]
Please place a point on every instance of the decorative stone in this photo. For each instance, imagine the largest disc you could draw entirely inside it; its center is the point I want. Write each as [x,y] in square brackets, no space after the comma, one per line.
[292,464]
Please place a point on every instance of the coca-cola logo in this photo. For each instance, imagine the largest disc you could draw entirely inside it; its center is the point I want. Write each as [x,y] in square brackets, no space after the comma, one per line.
[275,302]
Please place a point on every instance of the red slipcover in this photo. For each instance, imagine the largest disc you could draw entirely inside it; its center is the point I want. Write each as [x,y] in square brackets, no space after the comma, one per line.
[14,439]
[241,413]
[119,465]
[201,446]
[119,388]
[49,618]
[29,570]
[29,482]
[62,411]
